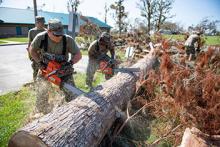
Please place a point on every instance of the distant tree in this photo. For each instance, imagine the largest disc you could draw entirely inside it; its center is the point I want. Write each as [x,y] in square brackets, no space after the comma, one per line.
[207,25]
[1,1]
[120,15]
[147,8]
[172,26]
[190,28]
[106,8]
[39,7]
[162,12]
[72,5]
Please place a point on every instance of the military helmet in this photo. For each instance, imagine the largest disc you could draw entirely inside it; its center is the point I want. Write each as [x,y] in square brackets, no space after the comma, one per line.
[105,38]
[40,19]
[56,26]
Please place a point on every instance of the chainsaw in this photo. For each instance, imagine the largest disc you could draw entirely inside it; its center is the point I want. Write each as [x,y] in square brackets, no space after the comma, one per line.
[56,72]
[107,66]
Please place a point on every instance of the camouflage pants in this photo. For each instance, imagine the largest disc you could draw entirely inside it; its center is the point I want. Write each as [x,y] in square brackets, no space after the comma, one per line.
[44,90]
[190,50]
[92,67]
[35,69]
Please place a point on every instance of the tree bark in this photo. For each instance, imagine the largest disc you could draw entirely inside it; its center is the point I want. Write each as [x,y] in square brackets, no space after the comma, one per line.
[195,138]
[85,120]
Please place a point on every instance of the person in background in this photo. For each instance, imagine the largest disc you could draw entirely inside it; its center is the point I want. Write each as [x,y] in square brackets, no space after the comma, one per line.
[53,45]
[190,45]
[39,27]
[98,50]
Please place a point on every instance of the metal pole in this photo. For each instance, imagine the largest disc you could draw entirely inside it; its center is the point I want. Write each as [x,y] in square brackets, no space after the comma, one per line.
[74,26]
[35,9]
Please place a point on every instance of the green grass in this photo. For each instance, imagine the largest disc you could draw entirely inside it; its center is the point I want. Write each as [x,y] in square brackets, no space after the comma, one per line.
[16,39]
[80,80]
[176,37]
[212,40]
[14,108]
[2,42]
[120,54]
[209,40]
[84,52]
[160,124]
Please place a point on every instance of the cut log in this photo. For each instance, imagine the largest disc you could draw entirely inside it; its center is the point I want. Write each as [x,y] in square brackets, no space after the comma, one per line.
[85,120]
[195,138]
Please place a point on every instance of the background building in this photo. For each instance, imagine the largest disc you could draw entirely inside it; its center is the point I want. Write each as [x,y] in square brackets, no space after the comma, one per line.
[17,22]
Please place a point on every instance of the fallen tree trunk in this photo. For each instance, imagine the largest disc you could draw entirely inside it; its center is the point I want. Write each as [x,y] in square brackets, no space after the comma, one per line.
[195,138]
[85,120]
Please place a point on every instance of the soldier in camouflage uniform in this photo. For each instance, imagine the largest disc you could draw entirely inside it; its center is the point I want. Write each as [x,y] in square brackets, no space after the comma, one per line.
[96,50]
[190,45]
[39,27]
[52,42]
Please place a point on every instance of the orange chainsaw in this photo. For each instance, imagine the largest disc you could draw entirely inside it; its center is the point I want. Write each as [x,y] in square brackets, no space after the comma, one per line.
[108,68]
[55,73]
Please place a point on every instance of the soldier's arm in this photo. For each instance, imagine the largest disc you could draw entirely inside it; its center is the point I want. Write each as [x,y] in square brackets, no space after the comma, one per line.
[92,51]
[76,57]
[112,51]
[34,54]
[34,49]
[73,48]
[199,42]
[29,39]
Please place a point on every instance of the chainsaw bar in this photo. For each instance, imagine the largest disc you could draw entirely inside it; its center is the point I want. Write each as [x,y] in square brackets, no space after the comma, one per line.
[72,89]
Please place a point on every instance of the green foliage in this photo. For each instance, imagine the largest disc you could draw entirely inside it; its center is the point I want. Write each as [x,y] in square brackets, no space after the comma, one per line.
[14,108]
[80,40]
[120,15]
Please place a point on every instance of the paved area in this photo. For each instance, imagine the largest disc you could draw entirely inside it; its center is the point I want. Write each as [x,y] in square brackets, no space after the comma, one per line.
[15,67]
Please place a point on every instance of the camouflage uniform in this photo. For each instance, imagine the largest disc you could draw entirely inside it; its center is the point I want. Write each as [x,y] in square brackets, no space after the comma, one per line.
[189,44]
[95,52]
[56,49]
[31,35]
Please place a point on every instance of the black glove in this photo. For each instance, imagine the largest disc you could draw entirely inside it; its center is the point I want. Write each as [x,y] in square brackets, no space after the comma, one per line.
[198,50]
[101,57]
[112,61]
[42,65]
[70,63]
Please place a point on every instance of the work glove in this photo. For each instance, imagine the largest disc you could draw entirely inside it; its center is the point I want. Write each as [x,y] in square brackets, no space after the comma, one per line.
[112,61]
[198,50]
[70,63]
[42,65]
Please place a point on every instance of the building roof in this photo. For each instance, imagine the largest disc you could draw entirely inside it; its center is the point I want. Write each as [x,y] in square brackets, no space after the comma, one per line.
[25,16]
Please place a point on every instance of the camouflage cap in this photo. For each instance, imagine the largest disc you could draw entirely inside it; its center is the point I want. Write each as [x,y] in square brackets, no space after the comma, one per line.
[105,37]
[56,26]
[40,19]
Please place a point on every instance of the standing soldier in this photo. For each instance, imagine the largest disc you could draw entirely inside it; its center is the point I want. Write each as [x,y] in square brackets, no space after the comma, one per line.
[39,27]
[190,45]
[97,50]
[53,45]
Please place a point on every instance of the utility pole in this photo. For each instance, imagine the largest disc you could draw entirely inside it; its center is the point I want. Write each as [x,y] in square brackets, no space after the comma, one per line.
[74,23]
[35,9]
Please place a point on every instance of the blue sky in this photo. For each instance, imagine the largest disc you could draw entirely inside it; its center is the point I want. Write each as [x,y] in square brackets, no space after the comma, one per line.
[186,12]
